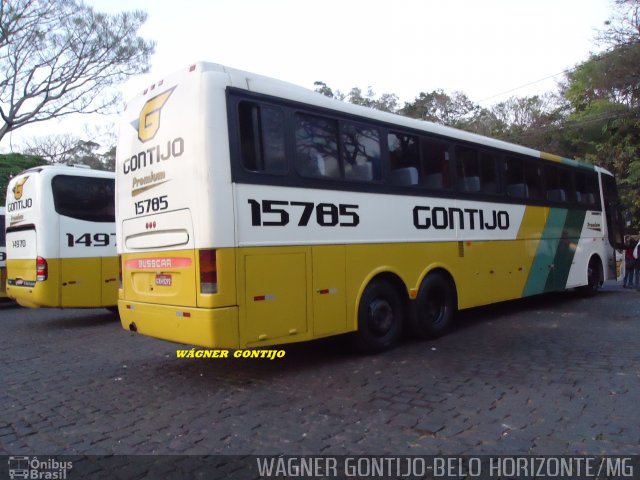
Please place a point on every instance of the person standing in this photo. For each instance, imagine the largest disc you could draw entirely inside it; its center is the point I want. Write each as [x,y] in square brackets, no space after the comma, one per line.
[629,263]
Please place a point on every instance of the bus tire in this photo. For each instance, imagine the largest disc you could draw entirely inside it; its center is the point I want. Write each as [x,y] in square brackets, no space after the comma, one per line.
[594,277]
[434,308]
[380,317]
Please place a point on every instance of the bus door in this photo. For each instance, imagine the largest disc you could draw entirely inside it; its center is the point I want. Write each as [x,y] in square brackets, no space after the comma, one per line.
[329,290]
[275,294]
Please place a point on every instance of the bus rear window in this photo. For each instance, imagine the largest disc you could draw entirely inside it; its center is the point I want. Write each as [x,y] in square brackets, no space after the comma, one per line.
[84,198]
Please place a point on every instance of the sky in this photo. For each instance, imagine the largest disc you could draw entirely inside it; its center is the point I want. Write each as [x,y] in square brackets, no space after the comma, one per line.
[487,49]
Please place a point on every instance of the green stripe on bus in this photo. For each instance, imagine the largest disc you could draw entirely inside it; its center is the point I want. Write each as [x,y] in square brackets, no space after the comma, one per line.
[545,254]
[566,250]
[554,256]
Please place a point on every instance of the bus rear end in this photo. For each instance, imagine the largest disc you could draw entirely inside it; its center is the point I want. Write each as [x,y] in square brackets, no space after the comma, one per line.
[61,238]
[3,256]
[27,268]
[174,212]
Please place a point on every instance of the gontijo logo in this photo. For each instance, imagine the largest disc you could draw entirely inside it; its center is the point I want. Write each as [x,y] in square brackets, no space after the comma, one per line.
[18,187]
[147,125]
[149,120]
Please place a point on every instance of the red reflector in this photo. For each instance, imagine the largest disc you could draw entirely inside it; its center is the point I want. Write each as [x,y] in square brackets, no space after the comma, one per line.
[259,298]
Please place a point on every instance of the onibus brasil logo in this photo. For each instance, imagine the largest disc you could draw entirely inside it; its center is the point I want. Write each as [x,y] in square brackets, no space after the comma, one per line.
[38,469]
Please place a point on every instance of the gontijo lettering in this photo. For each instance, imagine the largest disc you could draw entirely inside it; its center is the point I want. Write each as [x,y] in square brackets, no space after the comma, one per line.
[153,155]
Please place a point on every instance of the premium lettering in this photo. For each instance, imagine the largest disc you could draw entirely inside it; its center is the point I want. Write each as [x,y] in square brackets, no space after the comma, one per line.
[148,179]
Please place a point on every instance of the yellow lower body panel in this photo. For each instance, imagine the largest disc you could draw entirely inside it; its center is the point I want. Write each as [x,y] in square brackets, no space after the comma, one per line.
[207,327]
[71,283]
[3,282]
[26,291]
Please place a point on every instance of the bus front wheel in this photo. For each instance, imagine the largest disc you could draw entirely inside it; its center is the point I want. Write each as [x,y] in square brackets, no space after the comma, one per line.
[594,277]
[380,316]
[435,307]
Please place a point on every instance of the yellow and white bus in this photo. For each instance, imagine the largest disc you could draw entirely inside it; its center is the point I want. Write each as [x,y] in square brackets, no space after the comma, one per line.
[253,212]
[3,257]
[60,235]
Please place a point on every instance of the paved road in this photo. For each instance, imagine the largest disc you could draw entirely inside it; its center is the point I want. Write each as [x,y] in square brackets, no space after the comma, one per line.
[552,374]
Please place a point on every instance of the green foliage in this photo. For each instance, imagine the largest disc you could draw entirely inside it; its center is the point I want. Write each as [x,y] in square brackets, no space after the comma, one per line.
[11,165]
[440,107]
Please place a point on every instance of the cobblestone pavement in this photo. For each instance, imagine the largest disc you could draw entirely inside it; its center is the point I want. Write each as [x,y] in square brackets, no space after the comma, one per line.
[551,374]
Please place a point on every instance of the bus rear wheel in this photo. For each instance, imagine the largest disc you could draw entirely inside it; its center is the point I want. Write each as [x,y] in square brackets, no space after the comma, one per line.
[380,317]
[435,307]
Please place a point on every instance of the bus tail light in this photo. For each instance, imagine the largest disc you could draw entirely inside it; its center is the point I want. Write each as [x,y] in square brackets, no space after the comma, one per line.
[42,269]
[208,272]
[120,271]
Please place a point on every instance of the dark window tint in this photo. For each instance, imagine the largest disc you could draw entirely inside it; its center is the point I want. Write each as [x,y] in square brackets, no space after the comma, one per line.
[435,160]
[317,147]
[557,183]
[489,173]
[404,159]
[361,152]
[262,138]
[84,198]
[467,169]
[533,179]
[615,222]
[587,191]
[514,178]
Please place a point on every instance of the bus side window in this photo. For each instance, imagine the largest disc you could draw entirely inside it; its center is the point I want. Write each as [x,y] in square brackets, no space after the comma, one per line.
[593,191]
[515,184]
[317,147]
[587,189]
[262,138]
[553,191]
[404,159]
[489,173]
[467,169]
[435,161]
[533,179]
[361,152]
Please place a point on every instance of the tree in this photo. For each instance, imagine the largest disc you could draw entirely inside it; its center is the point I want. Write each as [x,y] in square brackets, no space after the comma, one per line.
[322,88]
[60,57]
[69,149]
[440,107]
[387,102]
[12,164]
[603,95]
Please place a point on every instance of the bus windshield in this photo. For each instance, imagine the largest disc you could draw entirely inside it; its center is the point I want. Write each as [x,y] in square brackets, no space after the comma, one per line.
[613,212]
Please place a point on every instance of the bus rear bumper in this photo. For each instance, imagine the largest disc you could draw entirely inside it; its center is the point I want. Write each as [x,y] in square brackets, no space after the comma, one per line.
[206,327]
